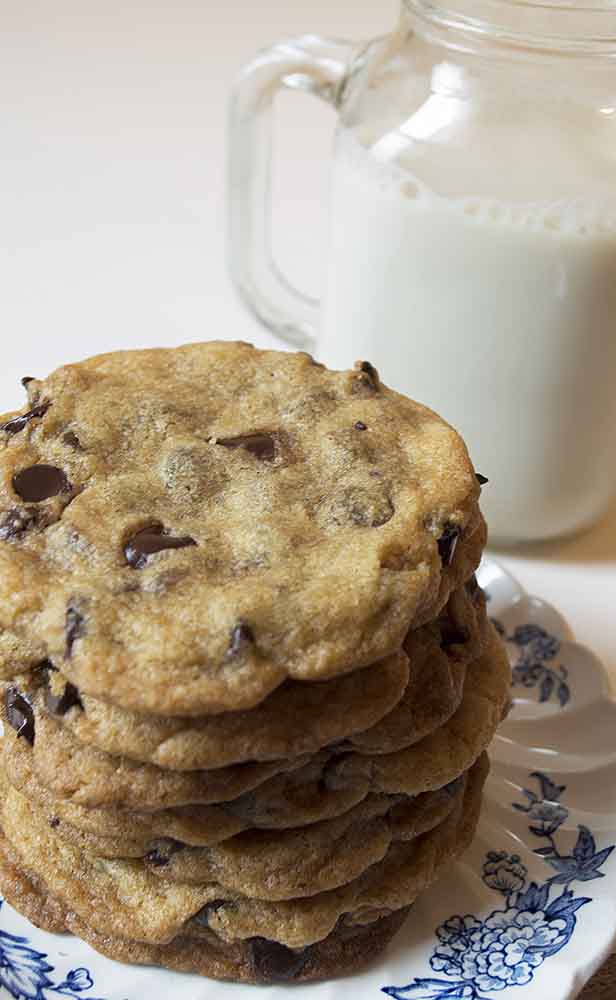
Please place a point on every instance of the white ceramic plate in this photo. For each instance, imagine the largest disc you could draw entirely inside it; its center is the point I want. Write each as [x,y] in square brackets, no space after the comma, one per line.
[530,912]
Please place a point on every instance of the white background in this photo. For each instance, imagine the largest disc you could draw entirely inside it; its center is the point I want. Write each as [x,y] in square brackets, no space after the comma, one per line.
[112,215]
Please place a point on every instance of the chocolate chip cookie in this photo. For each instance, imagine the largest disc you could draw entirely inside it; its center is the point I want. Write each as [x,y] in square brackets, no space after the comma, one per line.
[139,488]
[381,708]
[130,902]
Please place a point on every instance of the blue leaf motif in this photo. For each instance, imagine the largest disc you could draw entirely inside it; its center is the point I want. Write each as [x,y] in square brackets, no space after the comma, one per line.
[564,694]
[23,971]
[547,647]
[589,876]
[546,689]
[534,899]
[79,979]
[523,635]
[563,865]
[586,847]
[550,791]
[597,859]
[565,905]
[432,989]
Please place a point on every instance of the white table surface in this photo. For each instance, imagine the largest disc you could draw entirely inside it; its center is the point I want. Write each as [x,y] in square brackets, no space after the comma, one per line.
[112,168]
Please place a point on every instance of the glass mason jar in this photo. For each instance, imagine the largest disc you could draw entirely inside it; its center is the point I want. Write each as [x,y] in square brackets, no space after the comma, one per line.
[472,252]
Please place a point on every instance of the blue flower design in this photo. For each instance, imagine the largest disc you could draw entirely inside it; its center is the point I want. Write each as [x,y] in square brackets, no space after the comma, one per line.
[79,980]
[504,872]
[536,651]
[505,949]
[25,973]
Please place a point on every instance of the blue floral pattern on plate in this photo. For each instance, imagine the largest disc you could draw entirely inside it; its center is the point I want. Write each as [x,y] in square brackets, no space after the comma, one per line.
[24,973]
[536,922]
[534,667]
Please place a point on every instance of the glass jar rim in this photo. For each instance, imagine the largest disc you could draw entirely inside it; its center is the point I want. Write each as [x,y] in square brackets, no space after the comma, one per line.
[586,27]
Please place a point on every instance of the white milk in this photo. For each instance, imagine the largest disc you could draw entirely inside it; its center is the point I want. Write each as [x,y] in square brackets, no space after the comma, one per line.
[500,314]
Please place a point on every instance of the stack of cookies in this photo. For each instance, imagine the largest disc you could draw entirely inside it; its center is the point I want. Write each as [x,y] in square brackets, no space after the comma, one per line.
[248,677]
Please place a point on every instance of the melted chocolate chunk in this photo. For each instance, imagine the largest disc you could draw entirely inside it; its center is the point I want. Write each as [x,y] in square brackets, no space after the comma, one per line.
[16,522]
[373,515]
[156,859]
[148,542]
[452,788]
[262,446]
[54,822]
[448,543]
[366,378]
[17,424]
[161,855]
[482,480]
[71,439]
[20,714]
[26,380]
[361,426]
[75,628]
[44,669]
[273,962]
[203,916]
[242,636]
[340,746]
[60,704]
[40,482]
[452,635]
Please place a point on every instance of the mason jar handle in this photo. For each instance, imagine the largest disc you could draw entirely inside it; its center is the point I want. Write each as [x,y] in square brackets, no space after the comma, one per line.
[315,66]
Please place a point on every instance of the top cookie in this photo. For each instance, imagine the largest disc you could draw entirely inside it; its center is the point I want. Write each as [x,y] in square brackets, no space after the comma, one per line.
[184,529]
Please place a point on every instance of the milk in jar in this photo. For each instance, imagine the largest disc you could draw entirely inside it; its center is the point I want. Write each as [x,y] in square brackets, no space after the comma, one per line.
[497,311]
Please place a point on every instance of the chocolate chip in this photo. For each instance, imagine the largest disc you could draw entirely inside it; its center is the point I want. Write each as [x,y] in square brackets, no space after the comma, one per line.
[16,522]
[45,668]
[261,445]
[361,426]
[242,636]
[481,479]
[366,378]
[452,635]
[372,514]
[75,628]
[452,789]
[71,439]
[368,506]
[448,543]
[54,822]
[17,424]
[156,859]
[20,714]
[40,482]
[26,380]
[203,916]
[148,542]
[60,704]
[161,855]
[274,962]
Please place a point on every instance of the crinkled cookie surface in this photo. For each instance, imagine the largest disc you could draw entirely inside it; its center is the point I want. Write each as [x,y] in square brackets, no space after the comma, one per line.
[314,514]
